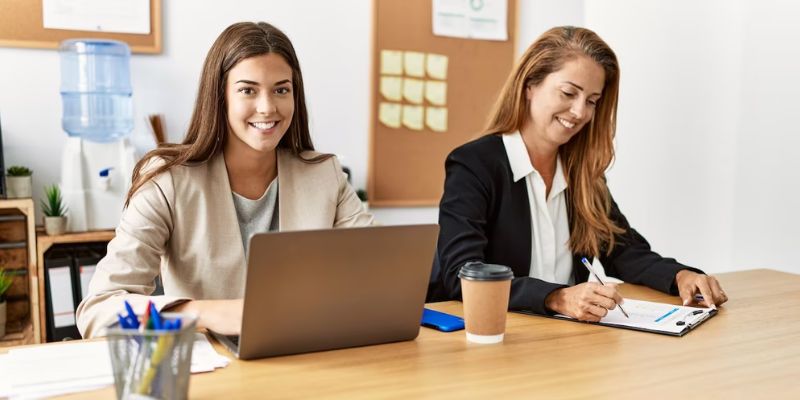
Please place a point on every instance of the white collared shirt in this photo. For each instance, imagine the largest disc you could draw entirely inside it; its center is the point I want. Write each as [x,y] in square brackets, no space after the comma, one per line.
[551,258]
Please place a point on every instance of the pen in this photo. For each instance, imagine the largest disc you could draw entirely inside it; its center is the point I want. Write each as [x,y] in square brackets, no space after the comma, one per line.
[589,267]
[145,324]
[133,321]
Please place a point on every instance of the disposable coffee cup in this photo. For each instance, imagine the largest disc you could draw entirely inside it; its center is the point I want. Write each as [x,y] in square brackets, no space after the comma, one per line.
[485,289]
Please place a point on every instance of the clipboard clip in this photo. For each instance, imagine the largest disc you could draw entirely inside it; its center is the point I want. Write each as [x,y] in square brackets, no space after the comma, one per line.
[683,322]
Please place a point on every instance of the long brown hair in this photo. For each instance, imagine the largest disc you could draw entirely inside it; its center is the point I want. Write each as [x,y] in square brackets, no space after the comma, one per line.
[589,153]
[208,128]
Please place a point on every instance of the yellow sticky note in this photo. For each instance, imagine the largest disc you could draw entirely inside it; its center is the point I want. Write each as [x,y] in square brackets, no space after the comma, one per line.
[436,66]
[392,88]
[412,117]
[414,63]
[436,92]
[413,90]
[389,114]
[391,62]
[436,118]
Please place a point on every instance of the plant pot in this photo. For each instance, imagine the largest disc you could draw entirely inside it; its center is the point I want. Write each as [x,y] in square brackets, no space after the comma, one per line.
[19,186]
[55,225]
[2,319]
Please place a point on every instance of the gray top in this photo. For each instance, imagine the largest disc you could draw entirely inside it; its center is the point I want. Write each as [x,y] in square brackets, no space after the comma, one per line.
[256,216]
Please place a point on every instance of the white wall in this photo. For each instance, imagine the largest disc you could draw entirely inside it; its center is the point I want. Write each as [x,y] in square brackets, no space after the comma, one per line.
[704,150]
[704,163]
[767,189]
[676,140]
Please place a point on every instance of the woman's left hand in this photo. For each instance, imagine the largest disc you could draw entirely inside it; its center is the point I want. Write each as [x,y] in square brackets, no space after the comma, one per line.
[689,283]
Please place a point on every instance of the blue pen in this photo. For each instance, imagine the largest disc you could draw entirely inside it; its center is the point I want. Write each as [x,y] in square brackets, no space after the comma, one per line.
[123,323]
[589,267]
[131,317]
[155,317]
[172,325]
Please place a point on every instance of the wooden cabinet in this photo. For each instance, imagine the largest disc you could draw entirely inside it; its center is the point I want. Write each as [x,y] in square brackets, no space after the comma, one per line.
[22,251]
[18,256]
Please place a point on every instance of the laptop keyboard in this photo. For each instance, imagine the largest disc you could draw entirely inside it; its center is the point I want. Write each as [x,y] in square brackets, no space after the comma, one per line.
[234,339]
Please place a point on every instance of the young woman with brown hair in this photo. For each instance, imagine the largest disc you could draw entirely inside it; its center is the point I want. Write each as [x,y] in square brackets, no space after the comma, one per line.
[193,206]
[531,193]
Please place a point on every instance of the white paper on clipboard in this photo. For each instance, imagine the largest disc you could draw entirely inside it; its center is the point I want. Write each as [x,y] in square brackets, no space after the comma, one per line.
[655,317]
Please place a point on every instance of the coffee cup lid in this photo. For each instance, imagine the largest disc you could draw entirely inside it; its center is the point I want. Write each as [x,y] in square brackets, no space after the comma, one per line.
[478,271]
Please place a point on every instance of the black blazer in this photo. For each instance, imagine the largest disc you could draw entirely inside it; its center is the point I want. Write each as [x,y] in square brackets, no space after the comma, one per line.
[485,216]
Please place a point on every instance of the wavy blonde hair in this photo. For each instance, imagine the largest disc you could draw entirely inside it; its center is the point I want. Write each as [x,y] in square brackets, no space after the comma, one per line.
[588,154]
[208,128]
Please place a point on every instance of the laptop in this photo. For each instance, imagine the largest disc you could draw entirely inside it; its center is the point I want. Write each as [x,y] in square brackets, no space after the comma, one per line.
[329,289]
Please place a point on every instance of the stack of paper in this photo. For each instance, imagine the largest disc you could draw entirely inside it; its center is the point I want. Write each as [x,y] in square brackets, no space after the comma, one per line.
[51,370]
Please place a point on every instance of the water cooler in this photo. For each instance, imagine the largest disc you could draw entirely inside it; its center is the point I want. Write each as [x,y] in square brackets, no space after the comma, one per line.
[98,160]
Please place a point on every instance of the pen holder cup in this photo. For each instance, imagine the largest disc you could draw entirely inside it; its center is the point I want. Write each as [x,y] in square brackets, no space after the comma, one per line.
[153,364]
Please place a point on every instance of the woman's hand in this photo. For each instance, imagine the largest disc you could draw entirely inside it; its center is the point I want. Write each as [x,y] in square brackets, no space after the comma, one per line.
[221,316]
[690,283]
[588,301]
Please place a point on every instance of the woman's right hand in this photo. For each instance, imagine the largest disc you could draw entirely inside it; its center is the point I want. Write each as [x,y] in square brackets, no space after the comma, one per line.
[221,316]
[587,301]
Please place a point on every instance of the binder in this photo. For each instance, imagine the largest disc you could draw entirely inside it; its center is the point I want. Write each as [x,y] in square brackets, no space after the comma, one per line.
[86,259]
[60,296]
[68,270]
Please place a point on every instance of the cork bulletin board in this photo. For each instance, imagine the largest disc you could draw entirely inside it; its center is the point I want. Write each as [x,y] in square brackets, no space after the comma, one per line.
[406,166]
[21,26]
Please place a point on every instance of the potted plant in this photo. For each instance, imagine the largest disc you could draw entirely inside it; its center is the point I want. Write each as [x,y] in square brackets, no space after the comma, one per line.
[55,220]
[19,182]
[5,283]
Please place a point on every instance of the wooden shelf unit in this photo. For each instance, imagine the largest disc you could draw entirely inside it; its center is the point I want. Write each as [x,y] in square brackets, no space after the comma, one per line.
[44,243]
[32,329]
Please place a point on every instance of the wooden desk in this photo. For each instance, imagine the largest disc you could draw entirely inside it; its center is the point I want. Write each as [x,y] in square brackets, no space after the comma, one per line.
[751,349]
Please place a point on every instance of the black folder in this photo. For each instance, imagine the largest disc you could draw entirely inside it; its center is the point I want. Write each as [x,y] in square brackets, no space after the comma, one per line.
[60,296]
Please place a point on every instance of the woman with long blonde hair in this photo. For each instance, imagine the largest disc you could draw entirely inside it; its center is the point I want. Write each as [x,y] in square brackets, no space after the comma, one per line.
[531,193]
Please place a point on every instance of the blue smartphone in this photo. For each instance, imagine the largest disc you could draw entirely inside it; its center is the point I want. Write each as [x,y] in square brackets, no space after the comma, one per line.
[441,321]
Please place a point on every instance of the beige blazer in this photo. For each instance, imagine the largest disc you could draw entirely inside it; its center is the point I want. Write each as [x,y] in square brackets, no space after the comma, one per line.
[183,225]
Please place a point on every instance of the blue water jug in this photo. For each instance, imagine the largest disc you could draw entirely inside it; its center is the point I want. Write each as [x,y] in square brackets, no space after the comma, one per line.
[96,89]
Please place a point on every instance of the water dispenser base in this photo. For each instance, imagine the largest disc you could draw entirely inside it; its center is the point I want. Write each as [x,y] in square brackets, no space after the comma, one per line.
[95,202]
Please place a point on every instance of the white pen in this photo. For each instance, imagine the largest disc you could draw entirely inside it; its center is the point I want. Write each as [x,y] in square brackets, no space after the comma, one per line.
[589,267]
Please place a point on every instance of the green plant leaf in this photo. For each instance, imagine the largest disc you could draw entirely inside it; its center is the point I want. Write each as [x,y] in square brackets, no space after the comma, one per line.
[18,170]
[53,204]
[5,283]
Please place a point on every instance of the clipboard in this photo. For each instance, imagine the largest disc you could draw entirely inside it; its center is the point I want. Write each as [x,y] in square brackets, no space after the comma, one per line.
[652,317]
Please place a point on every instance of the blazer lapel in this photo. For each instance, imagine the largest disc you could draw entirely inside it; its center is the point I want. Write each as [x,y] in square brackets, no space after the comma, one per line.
[289,204]
[222,195]
[307,193]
